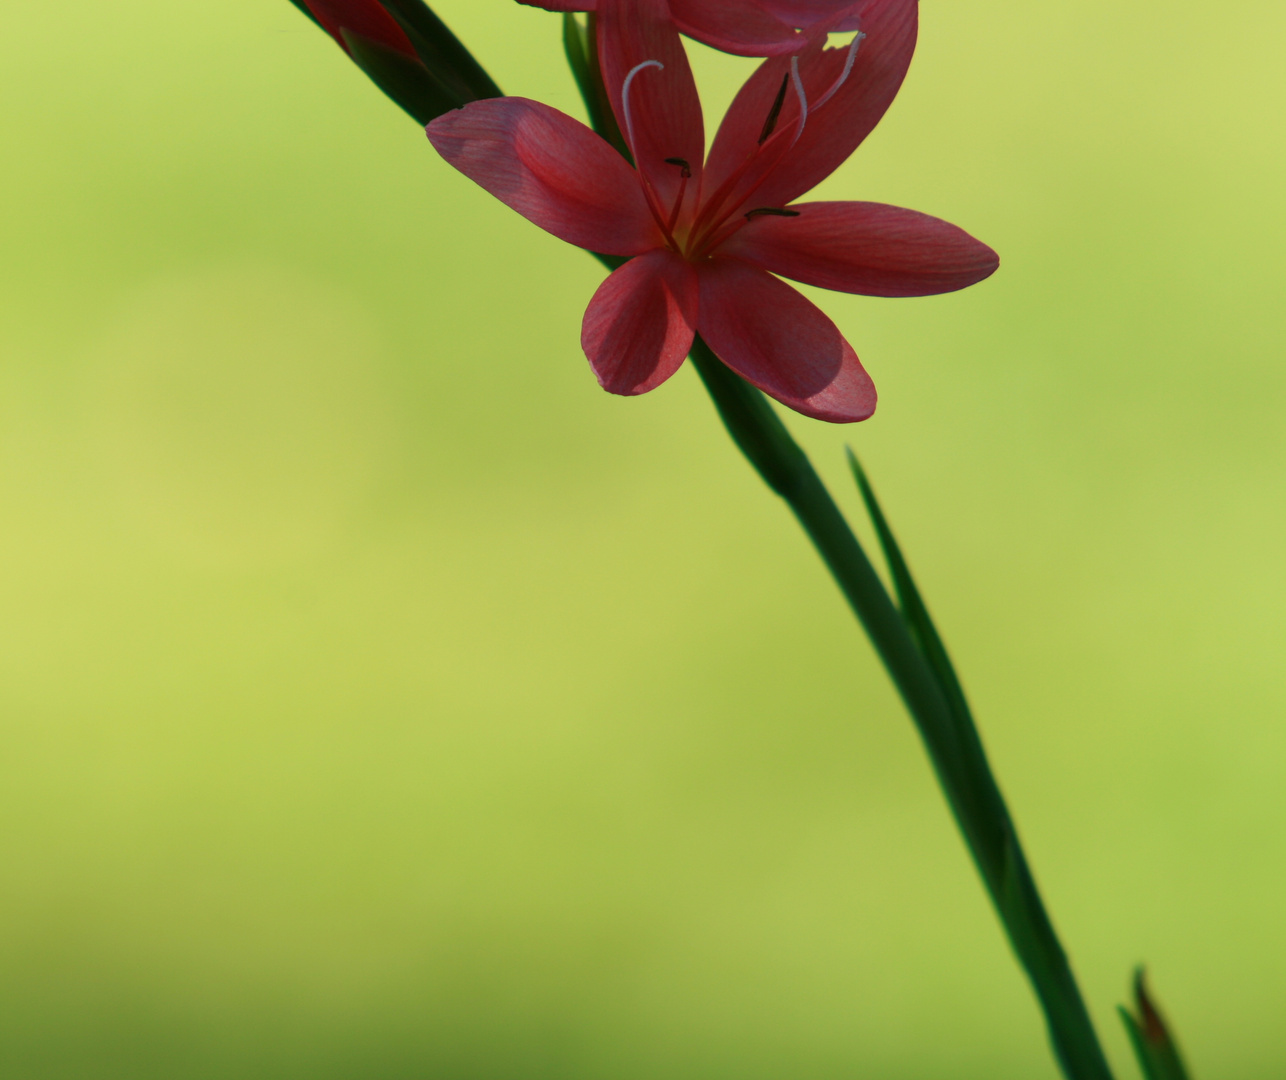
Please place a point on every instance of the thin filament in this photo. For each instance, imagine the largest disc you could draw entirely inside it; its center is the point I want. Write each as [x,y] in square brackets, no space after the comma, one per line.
[843,76]
[799,92]
[625,100]
[649,192]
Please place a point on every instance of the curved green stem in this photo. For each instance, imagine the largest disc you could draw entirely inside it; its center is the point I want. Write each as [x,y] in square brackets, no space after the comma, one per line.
[904,639]
[949,735]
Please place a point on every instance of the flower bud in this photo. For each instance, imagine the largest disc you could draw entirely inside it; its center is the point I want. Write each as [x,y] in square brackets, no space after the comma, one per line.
[366,19]
[1153,1042]
[391,54]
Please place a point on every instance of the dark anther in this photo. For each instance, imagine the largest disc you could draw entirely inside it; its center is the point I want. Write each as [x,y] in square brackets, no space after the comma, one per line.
[687,169]
[775,111]
[770,211]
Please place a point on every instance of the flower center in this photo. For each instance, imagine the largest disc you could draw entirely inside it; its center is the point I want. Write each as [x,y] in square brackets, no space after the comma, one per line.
[665,219]
[716,218]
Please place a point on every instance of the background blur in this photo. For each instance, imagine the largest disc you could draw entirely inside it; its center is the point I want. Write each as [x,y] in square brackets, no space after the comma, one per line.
[381,699]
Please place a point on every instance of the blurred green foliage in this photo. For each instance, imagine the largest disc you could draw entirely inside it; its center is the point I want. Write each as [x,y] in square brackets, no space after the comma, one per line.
[379,698]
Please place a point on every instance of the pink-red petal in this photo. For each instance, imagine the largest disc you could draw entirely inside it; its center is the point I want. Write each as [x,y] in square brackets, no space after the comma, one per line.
[365,18]
[663,120]
[837,128]
[804,13]
[550,168]
[639,326]
[766,121]
[777,339]
[834,128]
[741,27]
[561,5]
[867,248]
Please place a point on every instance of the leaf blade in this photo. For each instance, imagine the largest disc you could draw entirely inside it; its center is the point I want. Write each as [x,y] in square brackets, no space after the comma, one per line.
[914,610]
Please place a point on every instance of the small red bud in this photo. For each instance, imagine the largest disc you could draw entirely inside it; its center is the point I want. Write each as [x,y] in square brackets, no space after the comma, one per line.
[1150,1021]
[365,18]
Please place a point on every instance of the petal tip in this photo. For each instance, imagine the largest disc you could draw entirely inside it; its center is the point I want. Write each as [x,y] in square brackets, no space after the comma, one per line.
[850,412]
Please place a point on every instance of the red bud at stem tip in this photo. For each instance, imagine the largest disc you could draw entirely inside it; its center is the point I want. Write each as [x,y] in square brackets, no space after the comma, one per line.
[1157,1051]
[366,18]
[1154,1029]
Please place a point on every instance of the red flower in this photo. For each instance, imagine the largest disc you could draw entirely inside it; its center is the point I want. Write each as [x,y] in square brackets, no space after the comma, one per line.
[743,27]
[364,18]
[704,241]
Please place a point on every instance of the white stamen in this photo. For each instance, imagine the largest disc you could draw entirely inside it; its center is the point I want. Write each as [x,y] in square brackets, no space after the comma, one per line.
[843,76]
[799,93]
[625,100]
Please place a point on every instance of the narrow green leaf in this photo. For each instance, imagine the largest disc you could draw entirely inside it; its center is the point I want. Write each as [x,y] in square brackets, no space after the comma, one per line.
[577,50]
[912,605]
[576,46]
[1153,1043]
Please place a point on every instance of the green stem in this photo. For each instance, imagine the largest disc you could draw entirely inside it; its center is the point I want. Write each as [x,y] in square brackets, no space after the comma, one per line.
[952,741]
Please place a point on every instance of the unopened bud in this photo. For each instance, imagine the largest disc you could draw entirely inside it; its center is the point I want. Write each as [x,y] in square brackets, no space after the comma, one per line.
[1157,1051]
[344,19]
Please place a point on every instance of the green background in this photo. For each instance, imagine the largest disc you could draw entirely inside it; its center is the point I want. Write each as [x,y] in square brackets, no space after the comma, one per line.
[381,699]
